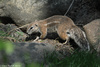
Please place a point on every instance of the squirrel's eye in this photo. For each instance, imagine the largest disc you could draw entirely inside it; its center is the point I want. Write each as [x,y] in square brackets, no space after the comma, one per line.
[31,28]
[68,33]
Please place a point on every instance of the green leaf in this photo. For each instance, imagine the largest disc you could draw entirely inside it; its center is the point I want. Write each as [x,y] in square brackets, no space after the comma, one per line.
[1,45]
[6,46]
[9,47]
[20,33]
[34,65]
[17,64]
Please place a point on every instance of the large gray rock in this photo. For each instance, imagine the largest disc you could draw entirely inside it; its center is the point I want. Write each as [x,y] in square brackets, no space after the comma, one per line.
[84,11]
[34,51]
[26,11]
[27,53]
[93,33]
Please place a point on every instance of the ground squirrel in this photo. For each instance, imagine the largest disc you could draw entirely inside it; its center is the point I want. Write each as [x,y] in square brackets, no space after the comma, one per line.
[65,28]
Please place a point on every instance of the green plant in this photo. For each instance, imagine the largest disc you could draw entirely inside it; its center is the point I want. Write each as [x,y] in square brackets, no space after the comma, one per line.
[20,33]
[6,46]
[77,59]
[2,33]
[17,64]
[33,64]
[5,35]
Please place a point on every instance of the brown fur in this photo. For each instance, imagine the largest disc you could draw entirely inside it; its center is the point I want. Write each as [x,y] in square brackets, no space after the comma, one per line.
[65,28]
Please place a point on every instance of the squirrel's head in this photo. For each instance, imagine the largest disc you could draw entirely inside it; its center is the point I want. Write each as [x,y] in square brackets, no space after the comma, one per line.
[79,37]
[33,27]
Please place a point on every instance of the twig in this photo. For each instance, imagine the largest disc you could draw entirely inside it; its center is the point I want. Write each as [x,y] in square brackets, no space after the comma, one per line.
[18,28]
[9,38]
[69,8]
[79,24]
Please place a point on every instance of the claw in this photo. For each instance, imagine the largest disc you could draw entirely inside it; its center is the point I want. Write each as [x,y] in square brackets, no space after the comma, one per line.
[65,42]
[37,38]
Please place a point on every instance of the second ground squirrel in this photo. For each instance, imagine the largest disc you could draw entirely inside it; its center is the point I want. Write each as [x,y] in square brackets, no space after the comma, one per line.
[65,28]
